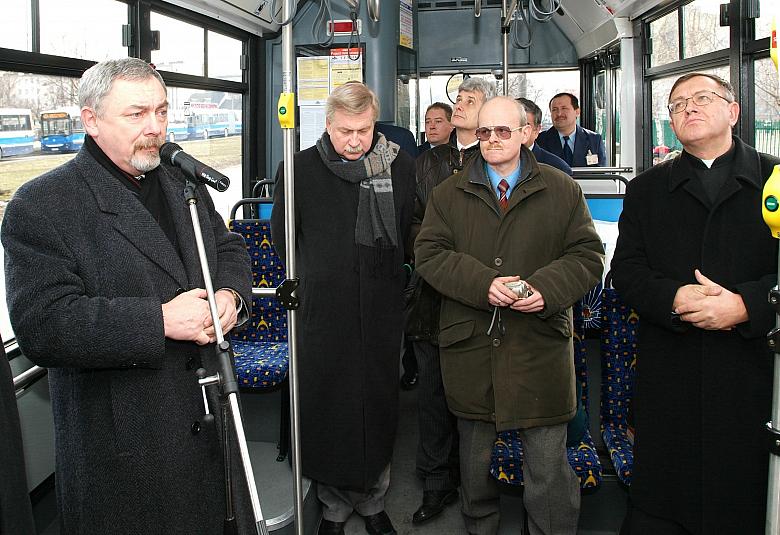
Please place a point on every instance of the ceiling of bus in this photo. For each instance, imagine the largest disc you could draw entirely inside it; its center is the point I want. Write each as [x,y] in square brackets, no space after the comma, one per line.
[588,24]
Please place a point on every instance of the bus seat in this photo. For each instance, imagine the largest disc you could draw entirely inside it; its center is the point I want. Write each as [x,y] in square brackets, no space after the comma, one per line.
[618,363]
[260,349]
[506,462]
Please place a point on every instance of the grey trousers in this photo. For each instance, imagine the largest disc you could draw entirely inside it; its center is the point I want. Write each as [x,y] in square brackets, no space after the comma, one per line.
[338,504]
[551,490]
[437,445]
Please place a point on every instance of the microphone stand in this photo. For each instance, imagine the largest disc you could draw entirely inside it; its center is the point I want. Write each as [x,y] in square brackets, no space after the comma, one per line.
[225,380]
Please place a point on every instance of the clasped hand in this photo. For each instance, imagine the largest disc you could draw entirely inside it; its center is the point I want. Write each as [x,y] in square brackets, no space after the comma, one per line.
[708,305]
[501,296]
[187,316]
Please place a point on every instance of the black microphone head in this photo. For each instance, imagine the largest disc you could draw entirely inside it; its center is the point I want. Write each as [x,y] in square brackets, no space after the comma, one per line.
[168,150]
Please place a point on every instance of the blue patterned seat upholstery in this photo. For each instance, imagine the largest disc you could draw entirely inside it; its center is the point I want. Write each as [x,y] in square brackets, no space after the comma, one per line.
[261,356]
[506,462]
[618,354]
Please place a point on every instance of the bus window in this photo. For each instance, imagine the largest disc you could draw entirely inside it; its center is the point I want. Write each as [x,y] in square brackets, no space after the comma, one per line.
[67,32]
[16,25]
[224,57]
[665,37]
[181,46]
[702,32]
[764,22]
[767,96]
[208,125]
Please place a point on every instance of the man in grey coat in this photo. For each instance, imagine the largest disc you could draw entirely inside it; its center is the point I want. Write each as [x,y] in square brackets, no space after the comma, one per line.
[116,309]
[506,355]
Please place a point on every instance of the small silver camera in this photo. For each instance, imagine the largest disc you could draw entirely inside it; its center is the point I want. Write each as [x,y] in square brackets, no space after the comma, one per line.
[520,288]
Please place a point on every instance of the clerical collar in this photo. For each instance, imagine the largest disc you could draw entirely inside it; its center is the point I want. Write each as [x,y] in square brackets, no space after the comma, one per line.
[724,159]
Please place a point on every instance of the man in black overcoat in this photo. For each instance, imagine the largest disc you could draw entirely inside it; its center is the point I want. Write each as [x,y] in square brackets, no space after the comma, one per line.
[105,289]
[354,195]
[696,261]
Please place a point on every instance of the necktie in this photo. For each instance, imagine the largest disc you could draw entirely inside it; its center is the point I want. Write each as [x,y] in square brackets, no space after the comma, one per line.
[503,202]
[568,157]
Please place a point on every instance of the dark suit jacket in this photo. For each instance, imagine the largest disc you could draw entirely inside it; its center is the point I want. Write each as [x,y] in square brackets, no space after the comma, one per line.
[545,156]
[400,136]
[87,270]
[584,140]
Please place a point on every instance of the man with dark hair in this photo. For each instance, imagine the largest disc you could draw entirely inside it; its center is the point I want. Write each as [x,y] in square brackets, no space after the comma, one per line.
[507,354]
[438,126]
[354,198]
[437,447]
[696,261]
[116,310]
[577,146]
[534,115]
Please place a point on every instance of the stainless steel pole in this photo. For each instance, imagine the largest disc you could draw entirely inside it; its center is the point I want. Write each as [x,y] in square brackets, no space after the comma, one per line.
[288,137]
[505,44]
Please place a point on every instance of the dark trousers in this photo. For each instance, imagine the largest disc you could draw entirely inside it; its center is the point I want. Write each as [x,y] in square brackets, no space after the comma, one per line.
[551,489]
[637,522]
[437,446]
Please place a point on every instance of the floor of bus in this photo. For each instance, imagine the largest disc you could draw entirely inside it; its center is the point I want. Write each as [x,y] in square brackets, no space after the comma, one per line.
[601,512]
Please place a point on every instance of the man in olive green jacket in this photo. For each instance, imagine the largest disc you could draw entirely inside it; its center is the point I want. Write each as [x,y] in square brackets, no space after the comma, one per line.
[507,362]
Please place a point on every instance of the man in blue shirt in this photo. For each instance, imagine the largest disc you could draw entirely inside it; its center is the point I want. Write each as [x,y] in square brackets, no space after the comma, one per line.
[577,146]
[506,357]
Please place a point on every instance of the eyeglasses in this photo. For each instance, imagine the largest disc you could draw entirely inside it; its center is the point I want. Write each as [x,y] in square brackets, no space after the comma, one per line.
[702,98]
[502,132]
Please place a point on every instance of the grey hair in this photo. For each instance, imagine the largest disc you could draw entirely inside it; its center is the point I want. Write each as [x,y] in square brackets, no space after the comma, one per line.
[478,85]
[521,111]
[97,81]
[353,98]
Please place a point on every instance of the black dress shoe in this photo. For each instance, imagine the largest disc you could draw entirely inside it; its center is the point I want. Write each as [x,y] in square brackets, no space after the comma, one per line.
[379,524]
[433,504]
[409,381]
[328,527]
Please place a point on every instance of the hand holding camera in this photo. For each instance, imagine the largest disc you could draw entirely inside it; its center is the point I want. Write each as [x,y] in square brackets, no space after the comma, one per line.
[520,288]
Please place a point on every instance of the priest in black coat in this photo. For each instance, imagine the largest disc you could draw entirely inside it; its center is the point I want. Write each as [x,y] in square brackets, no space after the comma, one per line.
[354,195]
[696,261]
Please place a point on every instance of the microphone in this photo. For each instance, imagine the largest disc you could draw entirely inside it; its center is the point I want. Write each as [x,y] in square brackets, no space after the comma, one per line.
[199,171]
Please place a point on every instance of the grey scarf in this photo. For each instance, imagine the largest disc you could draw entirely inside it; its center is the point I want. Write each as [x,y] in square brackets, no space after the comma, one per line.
[375,226]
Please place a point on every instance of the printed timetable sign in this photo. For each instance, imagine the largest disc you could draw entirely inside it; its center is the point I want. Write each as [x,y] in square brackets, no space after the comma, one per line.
[345,66]
[406,31]
[313,80]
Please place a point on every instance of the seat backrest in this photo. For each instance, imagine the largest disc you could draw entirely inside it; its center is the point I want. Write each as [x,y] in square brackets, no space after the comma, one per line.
[268,322]
[620,324]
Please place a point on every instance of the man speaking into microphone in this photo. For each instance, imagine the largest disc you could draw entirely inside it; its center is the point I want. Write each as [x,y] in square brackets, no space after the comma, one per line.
[106,290]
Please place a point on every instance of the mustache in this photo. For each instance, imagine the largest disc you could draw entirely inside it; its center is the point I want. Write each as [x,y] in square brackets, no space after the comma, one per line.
[149,143]
[353,150]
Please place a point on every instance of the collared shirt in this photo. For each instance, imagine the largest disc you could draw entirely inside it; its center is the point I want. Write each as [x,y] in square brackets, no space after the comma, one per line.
[495,178]
[571,139]
[461,146]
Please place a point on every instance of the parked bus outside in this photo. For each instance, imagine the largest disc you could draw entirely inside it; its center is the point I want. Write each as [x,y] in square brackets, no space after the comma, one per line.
[62,130]
[207,122]
[16,132]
